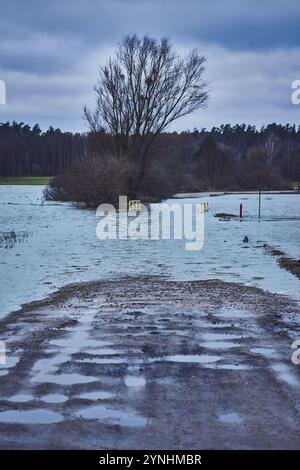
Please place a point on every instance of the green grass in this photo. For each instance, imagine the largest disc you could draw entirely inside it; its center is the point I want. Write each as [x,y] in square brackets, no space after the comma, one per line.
[31,180]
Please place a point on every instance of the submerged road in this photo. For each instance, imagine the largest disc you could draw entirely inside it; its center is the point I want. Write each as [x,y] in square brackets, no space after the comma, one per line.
[152,364]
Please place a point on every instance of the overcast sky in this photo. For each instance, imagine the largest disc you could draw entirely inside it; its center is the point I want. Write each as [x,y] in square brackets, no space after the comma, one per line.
[50,54]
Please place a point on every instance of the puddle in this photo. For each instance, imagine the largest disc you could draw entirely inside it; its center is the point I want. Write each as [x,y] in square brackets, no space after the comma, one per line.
[266,352]
[230,366]
[230,418]
[21,398]
[65,379]
[104,351]
[219,336]
[76,342]
[30,417]
[46,370]
[234,366]
[135,381]
[104,360]
[192,358]
[235,314]
[212,325]
[220,345]
[78,339]
[54,398]
[283,372]
[112,416]
[97,395]
[11,361]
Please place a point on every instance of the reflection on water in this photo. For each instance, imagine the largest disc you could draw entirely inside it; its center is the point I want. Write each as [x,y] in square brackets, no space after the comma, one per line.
[63,246]
[113,416]
[54,398]
[9,239]
[230,418]
[30,417]
[97,395]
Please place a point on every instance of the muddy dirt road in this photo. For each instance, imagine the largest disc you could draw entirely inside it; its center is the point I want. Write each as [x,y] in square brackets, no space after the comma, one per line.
[151,363]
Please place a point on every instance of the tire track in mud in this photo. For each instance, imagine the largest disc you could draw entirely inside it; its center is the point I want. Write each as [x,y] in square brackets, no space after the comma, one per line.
[150,362]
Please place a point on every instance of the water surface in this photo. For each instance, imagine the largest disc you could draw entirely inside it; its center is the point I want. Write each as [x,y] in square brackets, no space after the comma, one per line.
[61,246]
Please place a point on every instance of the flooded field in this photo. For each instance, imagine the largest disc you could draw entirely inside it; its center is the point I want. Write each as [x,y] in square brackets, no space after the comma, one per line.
[164,347]
[45,246]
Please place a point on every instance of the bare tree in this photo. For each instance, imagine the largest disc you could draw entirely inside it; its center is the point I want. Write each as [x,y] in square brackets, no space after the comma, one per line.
[272,148]
[215,160]
[142,90]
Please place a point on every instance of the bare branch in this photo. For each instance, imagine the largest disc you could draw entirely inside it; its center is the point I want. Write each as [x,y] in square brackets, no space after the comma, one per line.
[142,90]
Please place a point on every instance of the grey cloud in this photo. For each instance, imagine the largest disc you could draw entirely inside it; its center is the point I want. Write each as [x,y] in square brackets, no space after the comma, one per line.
[49,54]
[234,23]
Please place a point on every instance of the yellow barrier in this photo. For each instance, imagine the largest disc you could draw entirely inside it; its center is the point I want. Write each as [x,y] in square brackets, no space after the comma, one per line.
[202,207]
[134,205]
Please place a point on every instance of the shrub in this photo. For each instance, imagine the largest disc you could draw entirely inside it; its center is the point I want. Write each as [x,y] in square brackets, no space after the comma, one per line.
[94,181]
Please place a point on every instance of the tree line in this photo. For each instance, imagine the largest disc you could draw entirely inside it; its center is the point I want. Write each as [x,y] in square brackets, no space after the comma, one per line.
[27,151]
[225,157]
[243,157]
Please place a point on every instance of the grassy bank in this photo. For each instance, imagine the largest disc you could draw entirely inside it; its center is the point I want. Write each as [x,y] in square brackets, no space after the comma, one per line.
[30,180]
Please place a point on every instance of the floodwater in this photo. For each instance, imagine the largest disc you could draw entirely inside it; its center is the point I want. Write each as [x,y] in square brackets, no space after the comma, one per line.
[49,245]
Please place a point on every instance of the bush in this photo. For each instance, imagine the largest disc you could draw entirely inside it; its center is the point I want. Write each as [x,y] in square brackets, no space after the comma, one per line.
[103,179]
[158,183]
[94,181]
[253,175]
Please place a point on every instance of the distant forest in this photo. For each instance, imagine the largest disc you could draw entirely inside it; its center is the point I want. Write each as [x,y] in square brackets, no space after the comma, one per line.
[228,157]
[27,151]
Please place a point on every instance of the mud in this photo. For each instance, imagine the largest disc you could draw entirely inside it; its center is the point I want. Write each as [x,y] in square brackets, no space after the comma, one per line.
[290,264]
[225,216]
[154,364]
